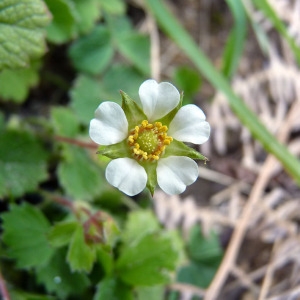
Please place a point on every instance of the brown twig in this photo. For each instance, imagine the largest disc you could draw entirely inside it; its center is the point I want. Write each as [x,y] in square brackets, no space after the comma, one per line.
[3,288]
[241,227]
[76,142]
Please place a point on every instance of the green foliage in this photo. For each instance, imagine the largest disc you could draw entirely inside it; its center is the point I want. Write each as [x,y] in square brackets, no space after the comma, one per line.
[15,84]
[63,26]
[22,26]
[57,277]
[25,229]
[79,175]
[22,163]
[92,53]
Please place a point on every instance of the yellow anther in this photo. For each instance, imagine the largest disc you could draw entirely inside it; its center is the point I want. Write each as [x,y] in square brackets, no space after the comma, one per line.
[163,128]
[137,146]
[158,124]
[137,129]
[130,139]
[167,142]
[145,123]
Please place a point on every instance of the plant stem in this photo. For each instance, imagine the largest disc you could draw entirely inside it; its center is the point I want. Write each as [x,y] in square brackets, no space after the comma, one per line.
[3,288]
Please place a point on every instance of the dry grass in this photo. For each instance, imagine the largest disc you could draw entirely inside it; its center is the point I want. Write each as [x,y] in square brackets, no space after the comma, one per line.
[261,205]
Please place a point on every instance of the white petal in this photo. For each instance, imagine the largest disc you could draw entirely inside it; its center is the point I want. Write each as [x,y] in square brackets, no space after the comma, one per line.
[110,125]
[174,173]
[126,175]
[189,125]
[158,99]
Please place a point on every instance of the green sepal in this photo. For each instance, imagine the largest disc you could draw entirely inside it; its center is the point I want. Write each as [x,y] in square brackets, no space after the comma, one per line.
[116,150]
[152,176]
[178,148]
[166,120]
[133,112]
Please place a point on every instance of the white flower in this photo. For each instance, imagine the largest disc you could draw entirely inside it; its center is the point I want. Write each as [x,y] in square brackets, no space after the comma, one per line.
[148,142]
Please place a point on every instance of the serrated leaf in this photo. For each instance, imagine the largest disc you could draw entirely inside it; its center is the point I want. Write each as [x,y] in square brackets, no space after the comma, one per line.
[105,258]
[113,289]
[81,256]
[147,262]
[25,230]
[92,53]
[58,278]
[115,151]
[22,163]
[63,25]
[61,233]
[139,224]
[64,121]
[79,175]
[88,12]
[22,26]
[86,97]
[15,84]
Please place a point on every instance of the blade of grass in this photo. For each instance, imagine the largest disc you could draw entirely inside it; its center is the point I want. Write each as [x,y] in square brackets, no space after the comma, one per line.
[264,6]
[175,31]
[235,43]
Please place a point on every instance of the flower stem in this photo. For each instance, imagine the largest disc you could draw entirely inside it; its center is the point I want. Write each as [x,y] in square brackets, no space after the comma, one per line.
[76,142]
[180,36]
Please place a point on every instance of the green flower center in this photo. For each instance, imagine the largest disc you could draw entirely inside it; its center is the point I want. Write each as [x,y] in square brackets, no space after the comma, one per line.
[148,141]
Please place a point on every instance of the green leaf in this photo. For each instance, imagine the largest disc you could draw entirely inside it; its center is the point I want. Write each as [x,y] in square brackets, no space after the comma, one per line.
[105,258]
[86,97]
[235,42]
[79,175]
[178,148]
[112,289]
[203,249]
[81,256]
[22,32]
[113,7]
[188,81]
[152,176]
[88,12]
[22,163]
[92,53]
[25,230]
[58,278]
[147,262]
[62,28]
[197,274]
[61,233]
[15,84]
[139,224]
[64,121]
[156,292]
[134,114]
[136,48]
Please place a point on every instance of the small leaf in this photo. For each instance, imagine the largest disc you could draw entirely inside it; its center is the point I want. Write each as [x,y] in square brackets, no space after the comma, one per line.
[133,112]
[86,97]
[139,224]
[22,26]
[81,256]
[204,249]
[156,292]
[92,53]
[79,175]
[64,121]
[147,262]
[62,27]
[22,163]
[113,7]
[58,278]
[105,258]
[61,233]
[178,148]
[88,12]
[25,230]
[152,176]
[15,84]
[113,289]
